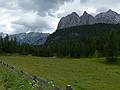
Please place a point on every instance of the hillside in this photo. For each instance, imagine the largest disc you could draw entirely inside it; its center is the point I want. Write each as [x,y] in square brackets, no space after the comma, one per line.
[80,32]
[82,40]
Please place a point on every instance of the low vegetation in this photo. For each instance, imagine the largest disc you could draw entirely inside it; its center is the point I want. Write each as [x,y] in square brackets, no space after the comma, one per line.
[13,81]
[82,74]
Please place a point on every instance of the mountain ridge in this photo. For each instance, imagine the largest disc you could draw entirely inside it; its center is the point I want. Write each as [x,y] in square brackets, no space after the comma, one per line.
[73,19]
[32,38]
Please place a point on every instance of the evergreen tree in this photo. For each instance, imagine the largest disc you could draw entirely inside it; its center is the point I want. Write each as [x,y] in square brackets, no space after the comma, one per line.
[112,47]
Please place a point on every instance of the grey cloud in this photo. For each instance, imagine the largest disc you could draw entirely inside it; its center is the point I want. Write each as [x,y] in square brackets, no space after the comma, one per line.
[19,28]
[22,28]
[102,9]
[46,10]
[3,3]
[42,6]
[9,4]
[39,26]
[42,25]
[84,1]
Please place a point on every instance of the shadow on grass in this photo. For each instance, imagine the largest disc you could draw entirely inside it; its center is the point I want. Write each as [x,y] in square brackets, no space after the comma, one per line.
[105,61]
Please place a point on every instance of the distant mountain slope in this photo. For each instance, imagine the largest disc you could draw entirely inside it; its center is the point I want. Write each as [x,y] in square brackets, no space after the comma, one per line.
[33,38]
[109,17]
[2,34]
[77,33]
[81,41]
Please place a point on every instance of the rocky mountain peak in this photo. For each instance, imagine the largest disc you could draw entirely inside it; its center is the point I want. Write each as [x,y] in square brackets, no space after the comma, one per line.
[110,11]
[109,17]
[69,21]
[74,13]
[86,19]
[73,19]
[85,13]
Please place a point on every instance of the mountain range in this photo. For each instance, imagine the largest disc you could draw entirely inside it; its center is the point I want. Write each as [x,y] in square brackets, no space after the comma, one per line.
[71,20]
[109,17]
[32,38]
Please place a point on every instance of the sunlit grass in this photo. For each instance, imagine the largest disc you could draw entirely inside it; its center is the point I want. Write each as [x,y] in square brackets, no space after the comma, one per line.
[82,74]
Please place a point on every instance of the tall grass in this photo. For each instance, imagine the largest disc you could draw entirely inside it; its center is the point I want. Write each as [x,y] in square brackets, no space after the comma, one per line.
[12,81]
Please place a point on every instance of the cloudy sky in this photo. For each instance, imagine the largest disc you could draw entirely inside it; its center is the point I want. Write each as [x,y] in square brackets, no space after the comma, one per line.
[18,16]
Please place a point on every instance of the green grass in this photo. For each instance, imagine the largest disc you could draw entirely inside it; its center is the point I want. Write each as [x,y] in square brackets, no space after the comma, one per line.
[1,80]
[12,81]
[82,74]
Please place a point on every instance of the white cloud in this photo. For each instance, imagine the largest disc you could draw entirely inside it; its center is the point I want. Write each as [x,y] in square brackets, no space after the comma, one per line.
[34,22]
[18,16]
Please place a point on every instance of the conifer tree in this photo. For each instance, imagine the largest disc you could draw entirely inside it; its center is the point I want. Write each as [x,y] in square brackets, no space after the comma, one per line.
[112,47]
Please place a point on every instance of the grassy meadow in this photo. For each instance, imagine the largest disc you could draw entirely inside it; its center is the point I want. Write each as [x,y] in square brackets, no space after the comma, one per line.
[82,74]
[12,81]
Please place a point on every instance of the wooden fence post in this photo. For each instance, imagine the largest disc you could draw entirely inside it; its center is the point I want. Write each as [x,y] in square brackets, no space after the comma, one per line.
[69,87]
